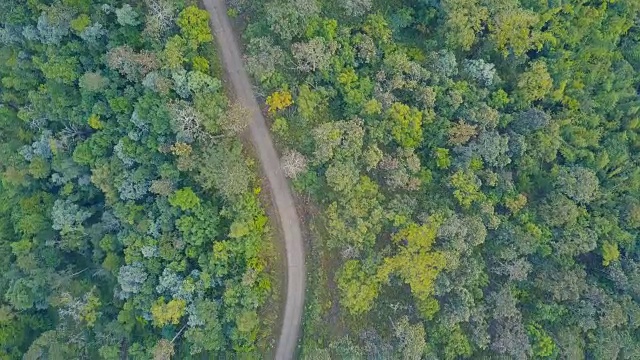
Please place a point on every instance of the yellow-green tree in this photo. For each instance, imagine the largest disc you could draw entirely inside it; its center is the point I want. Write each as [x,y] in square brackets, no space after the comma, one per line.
[194,25]
[513,30]
[80,23]
[358,288]
[466,187]
[416,263]
[406,126]
[279,100]
[174,52]
[167,313]
[201,64]
[95,123]
[464,20]
[610,253]
[535,83]
[185,199]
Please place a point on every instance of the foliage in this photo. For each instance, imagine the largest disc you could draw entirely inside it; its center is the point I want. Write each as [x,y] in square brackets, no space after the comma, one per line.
[167,313]
[194,26]
[472,166]
[127,16]
[407,125]
[113,244]
[279,100]
[610,253]
[185,199]
[293,164]
[416,243]
[358,288]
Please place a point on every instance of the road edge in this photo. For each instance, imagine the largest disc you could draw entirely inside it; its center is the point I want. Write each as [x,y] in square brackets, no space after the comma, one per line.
[282,197]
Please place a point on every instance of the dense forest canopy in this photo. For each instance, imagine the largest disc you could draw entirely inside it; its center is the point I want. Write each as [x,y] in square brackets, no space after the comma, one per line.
[475,166]
[472,171]
[130,226]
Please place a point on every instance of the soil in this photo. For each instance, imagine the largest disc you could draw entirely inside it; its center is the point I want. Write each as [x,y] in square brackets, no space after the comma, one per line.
[281,195]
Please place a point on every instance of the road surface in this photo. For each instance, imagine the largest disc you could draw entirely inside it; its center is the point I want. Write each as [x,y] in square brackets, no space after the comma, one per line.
[281,193]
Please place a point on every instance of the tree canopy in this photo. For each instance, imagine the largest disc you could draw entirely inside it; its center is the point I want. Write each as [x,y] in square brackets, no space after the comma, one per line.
[116,239]
[473,170]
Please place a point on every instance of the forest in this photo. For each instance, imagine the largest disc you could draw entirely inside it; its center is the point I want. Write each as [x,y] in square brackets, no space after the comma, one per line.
[130,219]
[472,170]
[468,172]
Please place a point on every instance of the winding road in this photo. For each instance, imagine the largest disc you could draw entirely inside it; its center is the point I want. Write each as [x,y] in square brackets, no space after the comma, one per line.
[280,192]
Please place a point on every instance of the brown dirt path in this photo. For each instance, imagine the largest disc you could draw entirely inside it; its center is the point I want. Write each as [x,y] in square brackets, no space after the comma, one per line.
[282,197]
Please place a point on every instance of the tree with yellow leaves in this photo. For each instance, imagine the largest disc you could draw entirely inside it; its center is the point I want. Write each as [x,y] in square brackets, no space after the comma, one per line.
[416,263]
[406,125]
[194,26]
[279,100]
[358,288]
[95,123]
[167,313]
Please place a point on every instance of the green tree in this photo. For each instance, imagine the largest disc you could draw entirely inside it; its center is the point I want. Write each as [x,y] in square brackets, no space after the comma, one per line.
[194,26]
[513,30]
[127,16]
[358,288]
[185,199]
[416,263]
[406,125]
[167,313]
[578,183]
[466,187]
[224,168]
[464,20]
[535,82]
[610,253]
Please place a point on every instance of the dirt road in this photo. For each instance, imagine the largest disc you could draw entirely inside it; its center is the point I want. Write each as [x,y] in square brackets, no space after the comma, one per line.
[281,193]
